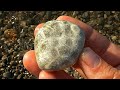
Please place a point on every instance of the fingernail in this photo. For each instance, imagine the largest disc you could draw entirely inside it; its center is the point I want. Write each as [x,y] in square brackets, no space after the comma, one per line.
[42,76]
[90,57]
[46,75]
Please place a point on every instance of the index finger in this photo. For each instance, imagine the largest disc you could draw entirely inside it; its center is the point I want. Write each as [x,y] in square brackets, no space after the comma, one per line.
[100,44]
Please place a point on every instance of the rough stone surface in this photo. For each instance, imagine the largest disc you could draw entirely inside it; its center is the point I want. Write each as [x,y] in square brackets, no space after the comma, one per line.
[58,44]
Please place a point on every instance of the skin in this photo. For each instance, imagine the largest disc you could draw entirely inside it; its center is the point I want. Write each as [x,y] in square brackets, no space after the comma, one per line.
[101,49]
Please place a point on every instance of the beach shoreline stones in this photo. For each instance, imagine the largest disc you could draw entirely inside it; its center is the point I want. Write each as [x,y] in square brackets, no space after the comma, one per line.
[58,44]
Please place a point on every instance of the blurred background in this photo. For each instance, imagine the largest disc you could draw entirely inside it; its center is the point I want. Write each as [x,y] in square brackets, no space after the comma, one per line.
[16,35]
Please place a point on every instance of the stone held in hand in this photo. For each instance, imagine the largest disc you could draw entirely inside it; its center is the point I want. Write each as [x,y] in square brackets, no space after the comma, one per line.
[58,44]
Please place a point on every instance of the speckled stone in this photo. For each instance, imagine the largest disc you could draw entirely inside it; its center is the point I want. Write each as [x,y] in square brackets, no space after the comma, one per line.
[58,44]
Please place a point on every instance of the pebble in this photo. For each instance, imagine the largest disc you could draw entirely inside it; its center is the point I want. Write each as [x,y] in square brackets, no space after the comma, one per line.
[76,74]
[107,26]
[114,38]
[55,45]
[2,64]
[10,51]
[15,74]
[10,33]
[9,25]
[113,11]
[75,13]
[101,21]
[0,13]
[20,76]
[0,53]
[2,69]
[54,12]
[7,74]
[48,15]
[1,32]
[1,22]
[85,15]
[63,12]
[13,63]
[105,16]
[30,21]
[23,23]
[107,13]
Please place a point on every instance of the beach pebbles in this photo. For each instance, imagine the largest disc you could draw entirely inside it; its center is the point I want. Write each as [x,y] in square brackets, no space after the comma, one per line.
[58,44]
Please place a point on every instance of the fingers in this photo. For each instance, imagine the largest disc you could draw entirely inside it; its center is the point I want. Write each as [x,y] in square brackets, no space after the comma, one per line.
[30,63]
[94,67]
[54,75]
[37,28]
[100,44]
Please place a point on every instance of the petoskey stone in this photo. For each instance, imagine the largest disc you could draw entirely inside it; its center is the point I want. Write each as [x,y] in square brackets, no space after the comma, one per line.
[58,44]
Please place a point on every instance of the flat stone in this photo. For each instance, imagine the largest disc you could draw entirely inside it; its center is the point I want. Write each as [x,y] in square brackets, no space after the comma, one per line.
[58,45]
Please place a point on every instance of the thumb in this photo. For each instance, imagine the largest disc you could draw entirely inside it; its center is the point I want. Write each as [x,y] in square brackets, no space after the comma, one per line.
[94,67]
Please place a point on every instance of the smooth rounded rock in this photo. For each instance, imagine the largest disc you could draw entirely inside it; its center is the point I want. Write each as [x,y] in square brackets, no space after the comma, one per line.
[58,44]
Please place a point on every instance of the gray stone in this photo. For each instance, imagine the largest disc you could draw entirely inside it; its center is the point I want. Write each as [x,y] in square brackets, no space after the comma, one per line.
[58,44]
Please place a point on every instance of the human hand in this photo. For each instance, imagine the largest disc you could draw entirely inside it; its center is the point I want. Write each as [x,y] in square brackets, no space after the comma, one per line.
[100,58]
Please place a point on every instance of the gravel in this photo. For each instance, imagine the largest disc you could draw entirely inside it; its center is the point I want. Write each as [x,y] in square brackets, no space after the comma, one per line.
[16,35]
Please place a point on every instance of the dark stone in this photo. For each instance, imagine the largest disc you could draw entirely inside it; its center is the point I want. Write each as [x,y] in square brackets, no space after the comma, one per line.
[85,15]
[101,21]
[75,13]
[48,15]
[13,63]
[9,25]
[1,23]
[7,74]
[20,76]
[0,53]
[30,21]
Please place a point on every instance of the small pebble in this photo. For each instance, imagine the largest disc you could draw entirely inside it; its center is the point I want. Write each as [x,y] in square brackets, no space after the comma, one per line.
[4,57]
[85,15]
[7,74]
[48,14]
[19,76]
[12,63]
[23,23]
[10,33]
[114,38]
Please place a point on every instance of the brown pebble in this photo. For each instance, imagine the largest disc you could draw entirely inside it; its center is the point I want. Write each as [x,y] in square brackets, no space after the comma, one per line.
[10,33]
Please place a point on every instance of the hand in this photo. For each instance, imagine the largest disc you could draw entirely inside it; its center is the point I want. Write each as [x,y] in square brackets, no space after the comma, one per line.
[100,58]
